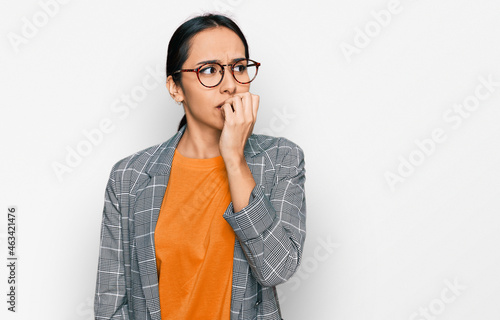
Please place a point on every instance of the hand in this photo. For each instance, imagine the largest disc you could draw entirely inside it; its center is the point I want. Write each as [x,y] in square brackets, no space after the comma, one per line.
[240,114]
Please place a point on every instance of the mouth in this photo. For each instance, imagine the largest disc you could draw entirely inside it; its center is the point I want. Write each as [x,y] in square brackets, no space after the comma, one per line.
[220,105]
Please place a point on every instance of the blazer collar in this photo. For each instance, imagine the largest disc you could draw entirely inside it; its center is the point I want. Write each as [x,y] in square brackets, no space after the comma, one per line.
[161,160]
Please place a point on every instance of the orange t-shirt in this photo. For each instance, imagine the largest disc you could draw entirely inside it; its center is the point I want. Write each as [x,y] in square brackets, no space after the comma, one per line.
[194,244]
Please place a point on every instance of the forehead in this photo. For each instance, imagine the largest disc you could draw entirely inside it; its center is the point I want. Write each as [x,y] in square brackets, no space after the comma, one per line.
[218,43]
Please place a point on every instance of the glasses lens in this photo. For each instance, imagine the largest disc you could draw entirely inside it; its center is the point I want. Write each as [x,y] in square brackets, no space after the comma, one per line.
[245,71]
[210,74]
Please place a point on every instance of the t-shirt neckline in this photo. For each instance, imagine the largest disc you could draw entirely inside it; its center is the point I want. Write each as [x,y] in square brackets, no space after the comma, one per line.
[195,162]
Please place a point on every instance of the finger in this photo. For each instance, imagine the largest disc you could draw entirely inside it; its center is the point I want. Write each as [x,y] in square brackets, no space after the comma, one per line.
[227,112]
[230,103]
[247,105]
[246,110]
[237,105]
[255,106]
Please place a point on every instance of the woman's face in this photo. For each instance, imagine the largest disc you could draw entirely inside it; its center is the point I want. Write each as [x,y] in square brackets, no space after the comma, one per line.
[201,103]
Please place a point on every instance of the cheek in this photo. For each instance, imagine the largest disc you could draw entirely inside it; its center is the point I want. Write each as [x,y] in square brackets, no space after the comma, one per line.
[243,88]
[200,98]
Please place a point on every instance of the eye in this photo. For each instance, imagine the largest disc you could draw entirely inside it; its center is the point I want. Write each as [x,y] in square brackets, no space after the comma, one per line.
[209,69]
[240,68]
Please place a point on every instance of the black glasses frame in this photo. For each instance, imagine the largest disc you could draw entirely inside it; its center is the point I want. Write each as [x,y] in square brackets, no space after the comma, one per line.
[197,70]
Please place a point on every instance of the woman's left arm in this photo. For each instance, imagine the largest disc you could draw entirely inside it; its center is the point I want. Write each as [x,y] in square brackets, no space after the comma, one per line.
[272,228]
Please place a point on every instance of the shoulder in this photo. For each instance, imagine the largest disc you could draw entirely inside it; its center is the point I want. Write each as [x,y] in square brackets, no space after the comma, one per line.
[136,165]
[135,160]
[276,149]
[266,143]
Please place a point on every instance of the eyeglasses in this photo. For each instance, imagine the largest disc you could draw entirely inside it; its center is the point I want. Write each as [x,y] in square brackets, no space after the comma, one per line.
[211,74]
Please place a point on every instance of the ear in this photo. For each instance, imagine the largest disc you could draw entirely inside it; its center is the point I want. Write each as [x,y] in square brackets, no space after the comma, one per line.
[175,91]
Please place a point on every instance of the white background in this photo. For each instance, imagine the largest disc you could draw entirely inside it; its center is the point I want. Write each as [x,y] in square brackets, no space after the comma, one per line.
[374,250]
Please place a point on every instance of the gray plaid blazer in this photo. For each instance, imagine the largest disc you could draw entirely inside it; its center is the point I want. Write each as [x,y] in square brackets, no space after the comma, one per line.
[270,231]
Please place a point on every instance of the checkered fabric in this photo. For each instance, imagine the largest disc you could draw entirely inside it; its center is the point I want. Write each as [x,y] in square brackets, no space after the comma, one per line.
[270,231]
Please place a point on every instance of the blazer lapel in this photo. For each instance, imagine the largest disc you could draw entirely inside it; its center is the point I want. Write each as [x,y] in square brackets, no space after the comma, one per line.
[146,211]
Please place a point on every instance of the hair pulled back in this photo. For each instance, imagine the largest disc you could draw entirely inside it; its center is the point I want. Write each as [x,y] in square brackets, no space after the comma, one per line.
[178,47]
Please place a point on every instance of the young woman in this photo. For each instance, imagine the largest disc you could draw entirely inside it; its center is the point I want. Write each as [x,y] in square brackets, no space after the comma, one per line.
[206,224]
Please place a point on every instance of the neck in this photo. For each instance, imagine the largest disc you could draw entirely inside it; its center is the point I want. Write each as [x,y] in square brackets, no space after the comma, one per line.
[199,143]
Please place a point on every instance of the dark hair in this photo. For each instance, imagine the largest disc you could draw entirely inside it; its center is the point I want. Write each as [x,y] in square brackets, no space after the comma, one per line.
[178,47]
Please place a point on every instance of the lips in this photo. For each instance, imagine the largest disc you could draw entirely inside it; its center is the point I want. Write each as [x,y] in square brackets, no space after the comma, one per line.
[220,105]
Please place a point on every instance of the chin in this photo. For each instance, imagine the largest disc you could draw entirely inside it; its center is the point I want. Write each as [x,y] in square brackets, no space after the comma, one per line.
[220,127]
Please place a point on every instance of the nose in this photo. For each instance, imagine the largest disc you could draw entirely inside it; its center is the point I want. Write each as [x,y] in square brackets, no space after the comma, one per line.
[228,83]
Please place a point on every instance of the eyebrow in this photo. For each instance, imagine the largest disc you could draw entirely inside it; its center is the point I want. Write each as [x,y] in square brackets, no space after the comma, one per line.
[218,61]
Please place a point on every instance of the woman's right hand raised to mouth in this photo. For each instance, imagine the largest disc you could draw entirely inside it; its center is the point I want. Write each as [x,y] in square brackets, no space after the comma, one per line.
[240,114]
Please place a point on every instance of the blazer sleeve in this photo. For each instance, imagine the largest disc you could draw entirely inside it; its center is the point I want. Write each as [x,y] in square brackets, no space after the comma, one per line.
[272,229]
[110,300]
